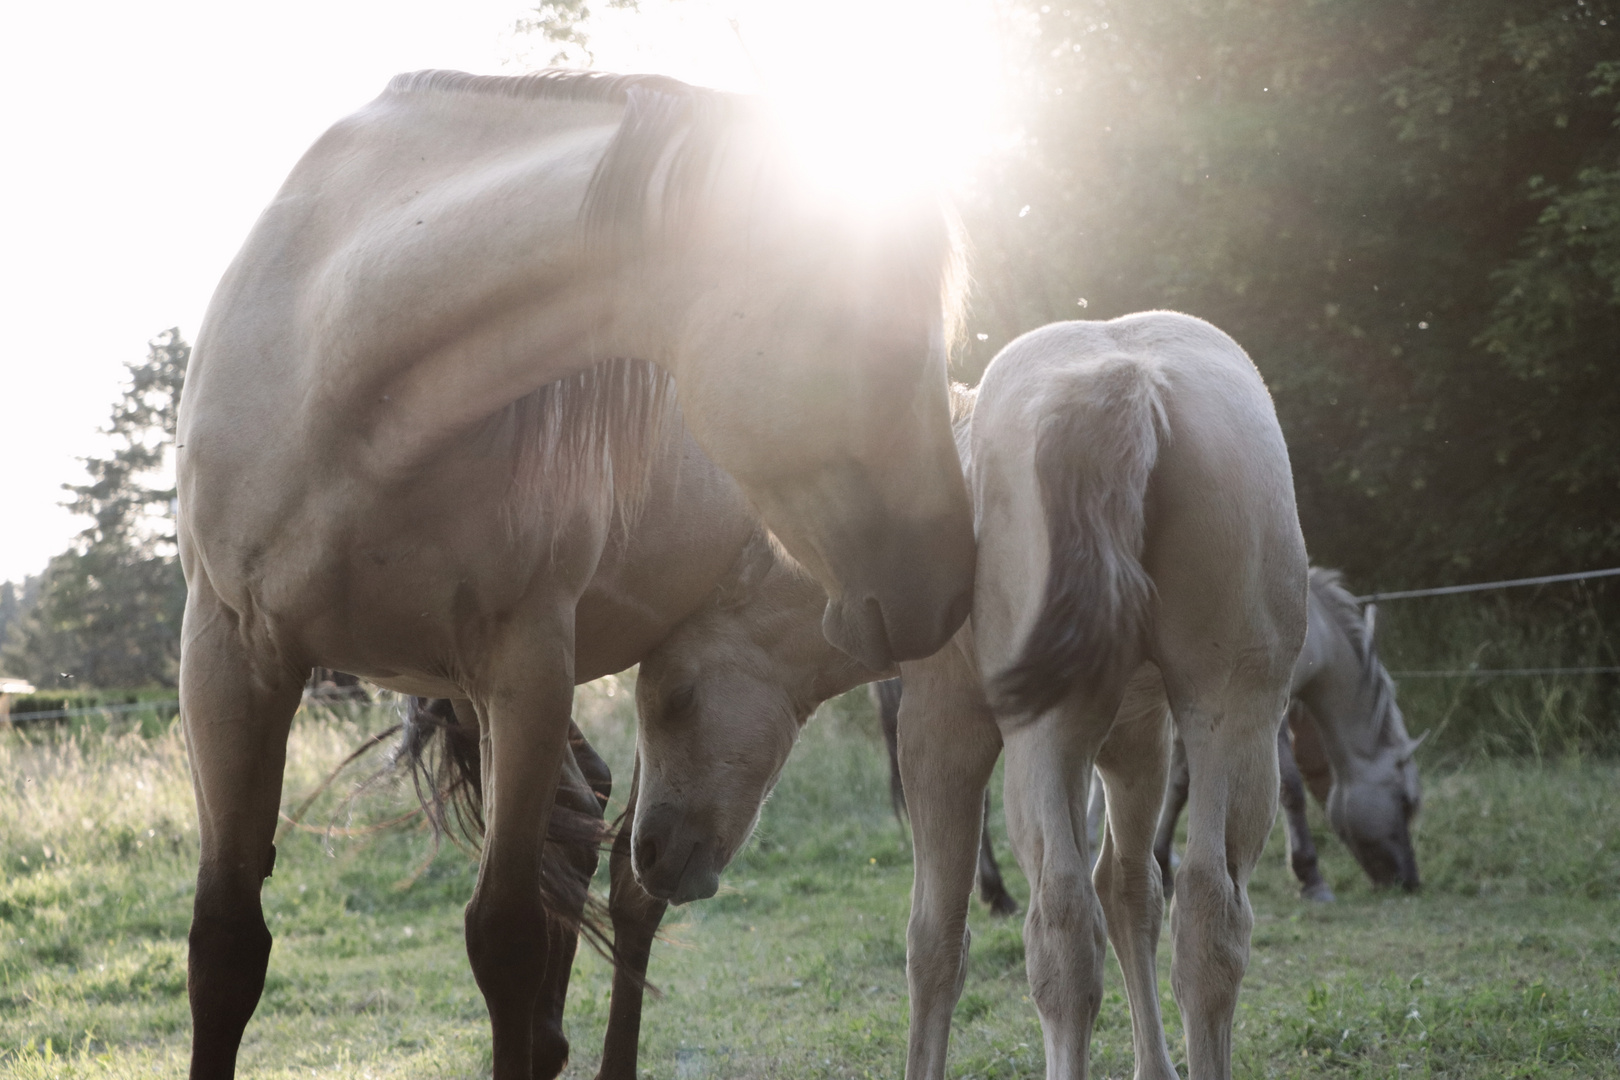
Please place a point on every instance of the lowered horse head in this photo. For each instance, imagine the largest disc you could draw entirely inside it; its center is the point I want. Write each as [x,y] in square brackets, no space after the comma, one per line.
[807,335]
[1376,793]
[721,703]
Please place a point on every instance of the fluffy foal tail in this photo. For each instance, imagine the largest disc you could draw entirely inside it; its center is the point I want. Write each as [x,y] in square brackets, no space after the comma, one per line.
[1096,447]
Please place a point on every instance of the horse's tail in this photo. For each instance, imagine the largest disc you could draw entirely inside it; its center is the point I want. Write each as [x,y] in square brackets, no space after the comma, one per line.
[886,695]
[442,757]
[1096,447]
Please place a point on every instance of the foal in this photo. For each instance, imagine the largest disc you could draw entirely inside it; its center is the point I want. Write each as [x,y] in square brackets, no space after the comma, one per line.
[1140,559]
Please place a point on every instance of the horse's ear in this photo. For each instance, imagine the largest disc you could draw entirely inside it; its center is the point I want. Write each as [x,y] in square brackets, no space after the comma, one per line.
[1413,744]
[1370,614]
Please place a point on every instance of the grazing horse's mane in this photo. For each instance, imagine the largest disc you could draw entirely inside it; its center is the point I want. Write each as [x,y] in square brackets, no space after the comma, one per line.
[1327,586]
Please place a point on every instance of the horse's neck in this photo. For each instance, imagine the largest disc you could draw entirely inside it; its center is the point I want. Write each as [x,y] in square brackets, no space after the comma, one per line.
[1342,698]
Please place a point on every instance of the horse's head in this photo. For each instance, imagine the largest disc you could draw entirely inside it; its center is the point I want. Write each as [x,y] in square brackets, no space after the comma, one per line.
[1372,811]
[721,703]
[810,359]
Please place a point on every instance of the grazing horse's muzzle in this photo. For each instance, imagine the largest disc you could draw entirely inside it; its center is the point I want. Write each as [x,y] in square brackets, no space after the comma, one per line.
[671,861]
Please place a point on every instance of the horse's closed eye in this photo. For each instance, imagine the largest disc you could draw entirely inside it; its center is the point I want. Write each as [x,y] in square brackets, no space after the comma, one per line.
[680,702]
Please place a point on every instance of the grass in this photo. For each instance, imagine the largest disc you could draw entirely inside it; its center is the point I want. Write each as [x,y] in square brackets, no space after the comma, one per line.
[1505,965]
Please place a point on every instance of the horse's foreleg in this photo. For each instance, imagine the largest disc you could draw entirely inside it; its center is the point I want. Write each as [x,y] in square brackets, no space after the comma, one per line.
[1132,765]
[1175,800]
[1301,848]
[948,745]
[1048,775]
[237,703]
[523,708]
[1231,744]
[992,890]
[636,915]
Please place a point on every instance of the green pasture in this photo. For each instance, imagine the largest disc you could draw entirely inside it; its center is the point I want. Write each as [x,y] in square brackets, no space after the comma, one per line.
[1504,965]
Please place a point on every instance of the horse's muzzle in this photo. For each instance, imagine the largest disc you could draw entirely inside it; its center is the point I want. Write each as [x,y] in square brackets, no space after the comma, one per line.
[671,862]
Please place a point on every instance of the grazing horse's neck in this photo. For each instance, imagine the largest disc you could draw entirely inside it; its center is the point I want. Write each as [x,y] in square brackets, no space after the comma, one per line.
[1342,694]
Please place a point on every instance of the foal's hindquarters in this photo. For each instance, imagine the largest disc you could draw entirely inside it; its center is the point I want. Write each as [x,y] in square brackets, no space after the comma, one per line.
[1138,546]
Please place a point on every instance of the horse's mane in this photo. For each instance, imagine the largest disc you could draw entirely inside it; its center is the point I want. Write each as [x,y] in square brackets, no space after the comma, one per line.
[596,434]
[670,137]
[602,429]
[963,399]
[1327,586]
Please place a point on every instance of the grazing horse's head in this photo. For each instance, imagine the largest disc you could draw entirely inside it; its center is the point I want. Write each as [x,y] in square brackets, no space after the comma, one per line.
[721,703]
[807,336]
[1376,793]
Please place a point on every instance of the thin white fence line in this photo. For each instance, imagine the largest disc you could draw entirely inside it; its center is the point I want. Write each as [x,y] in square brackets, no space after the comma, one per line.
[1481,673]
[1449,590]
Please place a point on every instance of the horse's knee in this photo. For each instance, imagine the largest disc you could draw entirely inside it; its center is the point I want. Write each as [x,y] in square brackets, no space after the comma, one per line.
[1065,939]
[550,1049]
[1212,923]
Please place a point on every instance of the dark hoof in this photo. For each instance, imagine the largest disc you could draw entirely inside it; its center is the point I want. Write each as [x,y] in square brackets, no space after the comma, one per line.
[1318,893]
[1001,905]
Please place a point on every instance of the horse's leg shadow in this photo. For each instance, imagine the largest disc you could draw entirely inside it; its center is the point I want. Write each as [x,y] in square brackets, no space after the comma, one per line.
[237,703]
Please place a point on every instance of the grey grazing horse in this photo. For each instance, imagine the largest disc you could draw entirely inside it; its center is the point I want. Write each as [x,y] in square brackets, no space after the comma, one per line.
[432,387]
[1345,711]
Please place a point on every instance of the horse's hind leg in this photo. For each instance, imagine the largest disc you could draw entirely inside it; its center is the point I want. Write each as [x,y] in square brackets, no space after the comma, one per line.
[236,702]
[1048,779]
[1301,848]
[636,915]
[992,890]
[948,746]
[1175,800]
[1228,723]
[1132,766]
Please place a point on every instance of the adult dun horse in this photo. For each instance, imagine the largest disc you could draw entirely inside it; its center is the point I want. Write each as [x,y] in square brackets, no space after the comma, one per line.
[1352,748]
[1139,559]
[405,428]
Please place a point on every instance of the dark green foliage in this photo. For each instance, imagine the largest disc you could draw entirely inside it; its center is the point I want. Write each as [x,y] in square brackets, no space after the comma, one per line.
[108,609]
[1406,212]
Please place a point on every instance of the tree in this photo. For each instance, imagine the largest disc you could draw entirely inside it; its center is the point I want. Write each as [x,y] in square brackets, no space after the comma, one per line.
[109,608]
[1406,212]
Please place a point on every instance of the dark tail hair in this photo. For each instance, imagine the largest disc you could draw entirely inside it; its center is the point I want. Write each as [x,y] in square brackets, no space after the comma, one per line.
[442,757]
[886,695]
[1097,445]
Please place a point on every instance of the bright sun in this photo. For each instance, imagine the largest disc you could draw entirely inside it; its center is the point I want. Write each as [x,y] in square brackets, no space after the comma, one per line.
[879,94]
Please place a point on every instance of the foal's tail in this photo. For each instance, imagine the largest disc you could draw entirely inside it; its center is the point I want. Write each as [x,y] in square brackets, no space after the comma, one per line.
[1096,447]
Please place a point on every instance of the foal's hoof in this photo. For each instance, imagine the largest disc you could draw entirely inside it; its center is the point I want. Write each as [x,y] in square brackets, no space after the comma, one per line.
[1318,893]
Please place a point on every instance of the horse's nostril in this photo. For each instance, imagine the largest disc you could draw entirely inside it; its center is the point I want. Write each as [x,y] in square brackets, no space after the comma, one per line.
[646,853]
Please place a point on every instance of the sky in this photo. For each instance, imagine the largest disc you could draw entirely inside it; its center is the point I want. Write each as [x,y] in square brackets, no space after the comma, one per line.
[141,141]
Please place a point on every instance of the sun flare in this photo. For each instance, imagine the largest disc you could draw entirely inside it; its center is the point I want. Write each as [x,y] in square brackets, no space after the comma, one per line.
[877,95]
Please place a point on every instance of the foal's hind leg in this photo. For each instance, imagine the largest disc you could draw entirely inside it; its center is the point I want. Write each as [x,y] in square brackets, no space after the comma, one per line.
[1227,721]
[948,748]
[237,700]
[1132,767]
[1048,779]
